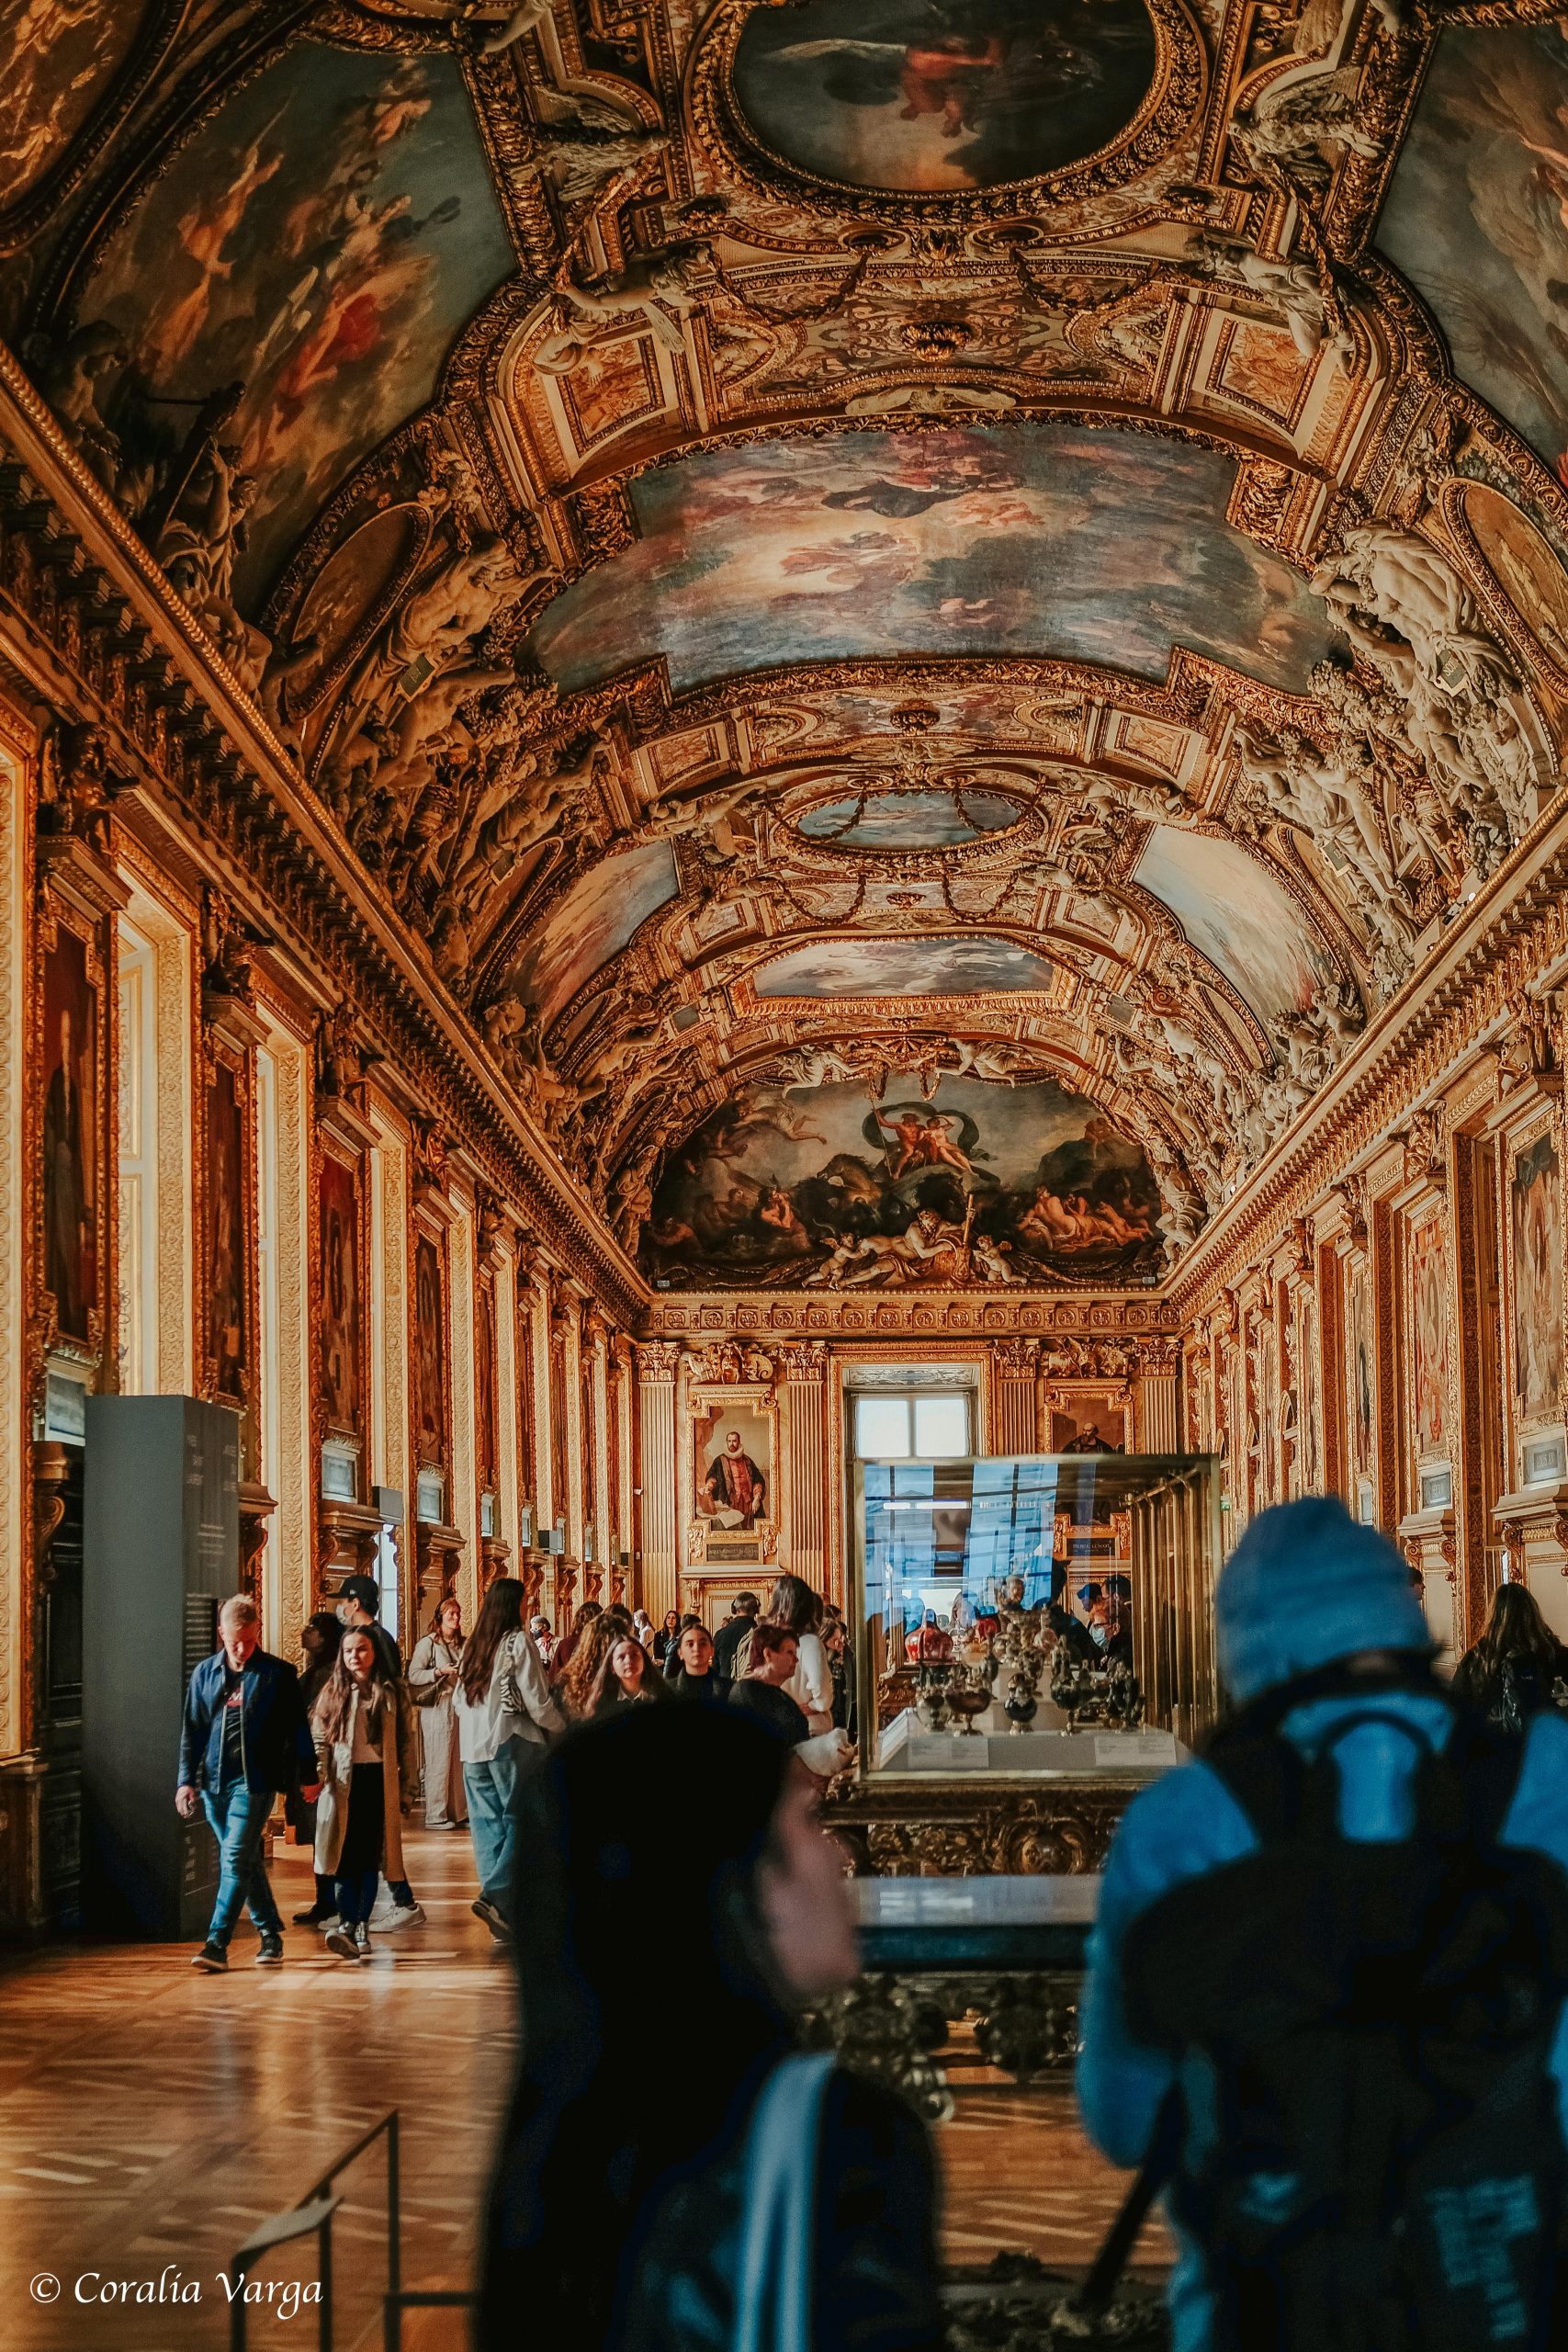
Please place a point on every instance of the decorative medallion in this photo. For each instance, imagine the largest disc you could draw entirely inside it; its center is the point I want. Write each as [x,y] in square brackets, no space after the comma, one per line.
[901,102]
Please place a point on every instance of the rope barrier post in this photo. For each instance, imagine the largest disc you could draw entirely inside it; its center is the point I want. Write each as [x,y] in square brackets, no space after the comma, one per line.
[394,2206]
[324,2267]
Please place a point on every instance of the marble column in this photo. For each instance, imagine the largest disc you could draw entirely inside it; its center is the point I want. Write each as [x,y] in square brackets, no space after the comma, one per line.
[658,1362]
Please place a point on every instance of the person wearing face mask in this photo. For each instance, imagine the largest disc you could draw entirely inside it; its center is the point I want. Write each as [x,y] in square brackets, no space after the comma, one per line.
[242,1740]
[741,1927]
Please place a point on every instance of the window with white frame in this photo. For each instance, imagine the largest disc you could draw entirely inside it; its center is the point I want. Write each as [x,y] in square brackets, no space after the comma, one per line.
[913,1425]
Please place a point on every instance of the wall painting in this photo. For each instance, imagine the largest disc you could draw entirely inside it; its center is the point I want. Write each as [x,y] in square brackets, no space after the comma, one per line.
[733,1512]
[338,1298]
[1475,218]
[429,1352]
[887,545]
[1429,1337]
[228,1246]
[71,1171]
[971,93]
[1536,1204]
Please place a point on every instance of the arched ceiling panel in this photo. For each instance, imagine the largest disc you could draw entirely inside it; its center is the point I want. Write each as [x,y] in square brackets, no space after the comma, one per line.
[1034,538]
[318,244]
[1477,217]
[787,1187]
[1231,907]
[922,965]
[596,920]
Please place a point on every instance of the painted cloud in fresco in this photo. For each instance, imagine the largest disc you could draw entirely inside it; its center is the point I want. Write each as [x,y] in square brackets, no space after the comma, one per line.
[790,1188]
[970,966]
[964,94]
[1477,219]
[320,239]
[594,921]
[1045,539]
[1237,914]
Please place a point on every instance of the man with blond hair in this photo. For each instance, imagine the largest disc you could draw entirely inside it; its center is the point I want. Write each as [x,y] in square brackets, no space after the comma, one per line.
[245,1739]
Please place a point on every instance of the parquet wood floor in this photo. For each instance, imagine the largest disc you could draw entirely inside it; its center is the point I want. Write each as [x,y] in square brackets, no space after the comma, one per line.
[149,2116]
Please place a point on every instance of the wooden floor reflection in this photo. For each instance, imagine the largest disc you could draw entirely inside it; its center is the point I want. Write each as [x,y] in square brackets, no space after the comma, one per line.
[150,2117]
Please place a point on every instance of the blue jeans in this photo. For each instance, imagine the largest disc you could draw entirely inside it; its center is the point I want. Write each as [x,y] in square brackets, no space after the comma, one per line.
[356,1897]
[237,1816]
[491,1790]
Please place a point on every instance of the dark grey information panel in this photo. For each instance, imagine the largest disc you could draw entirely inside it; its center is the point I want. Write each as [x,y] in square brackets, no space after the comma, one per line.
[161,1550]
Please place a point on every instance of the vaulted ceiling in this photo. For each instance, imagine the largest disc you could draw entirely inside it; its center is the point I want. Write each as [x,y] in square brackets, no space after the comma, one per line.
[1010,544]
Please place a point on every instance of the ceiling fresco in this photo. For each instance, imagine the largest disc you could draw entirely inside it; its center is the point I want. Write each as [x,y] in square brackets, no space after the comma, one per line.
[800,1186]
[919,610]
[972,967]
[1477,217]
[902,94]
[887,543]
[317,244]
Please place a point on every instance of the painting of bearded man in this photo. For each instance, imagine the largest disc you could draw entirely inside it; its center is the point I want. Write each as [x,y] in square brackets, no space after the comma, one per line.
[735,1491]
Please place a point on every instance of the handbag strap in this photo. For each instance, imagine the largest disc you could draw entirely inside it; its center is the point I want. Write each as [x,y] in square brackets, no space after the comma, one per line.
[773,2301]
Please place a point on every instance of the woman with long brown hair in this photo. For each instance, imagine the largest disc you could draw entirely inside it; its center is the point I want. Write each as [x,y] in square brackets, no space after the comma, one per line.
[599,1638]
[503,1707]
[365,1770]
[1510,1673]
[625,1676]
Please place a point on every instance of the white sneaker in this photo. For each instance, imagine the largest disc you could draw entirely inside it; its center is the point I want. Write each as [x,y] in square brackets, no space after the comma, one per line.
[329,1923]
[399,1914]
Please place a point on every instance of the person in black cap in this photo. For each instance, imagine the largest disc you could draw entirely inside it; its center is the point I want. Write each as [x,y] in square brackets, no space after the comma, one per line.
[358,1607]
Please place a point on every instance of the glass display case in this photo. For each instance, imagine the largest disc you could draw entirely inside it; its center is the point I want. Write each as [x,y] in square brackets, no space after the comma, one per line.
[1034,1615]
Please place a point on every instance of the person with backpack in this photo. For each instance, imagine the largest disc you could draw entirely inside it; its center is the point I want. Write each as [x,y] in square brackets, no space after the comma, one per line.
[1517,1667]
[1325,2004]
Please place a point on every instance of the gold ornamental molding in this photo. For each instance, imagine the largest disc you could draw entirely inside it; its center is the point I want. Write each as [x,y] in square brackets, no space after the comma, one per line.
[78,581]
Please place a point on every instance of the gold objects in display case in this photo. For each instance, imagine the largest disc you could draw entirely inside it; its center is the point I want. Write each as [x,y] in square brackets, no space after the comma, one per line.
[1033,1617]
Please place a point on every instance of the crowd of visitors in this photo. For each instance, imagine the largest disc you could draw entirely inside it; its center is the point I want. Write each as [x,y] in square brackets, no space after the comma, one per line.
[1327,2003]
[338,1742]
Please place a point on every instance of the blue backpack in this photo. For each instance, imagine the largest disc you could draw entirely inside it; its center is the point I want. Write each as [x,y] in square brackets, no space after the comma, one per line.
[1385,2167]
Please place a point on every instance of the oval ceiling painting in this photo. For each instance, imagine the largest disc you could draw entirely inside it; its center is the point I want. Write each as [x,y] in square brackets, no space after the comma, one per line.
[930,97]
[928,819]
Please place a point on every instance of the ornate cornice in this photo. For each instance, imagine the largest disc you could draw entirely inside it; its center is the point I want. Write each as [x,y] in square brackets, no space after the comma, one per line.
[81,587]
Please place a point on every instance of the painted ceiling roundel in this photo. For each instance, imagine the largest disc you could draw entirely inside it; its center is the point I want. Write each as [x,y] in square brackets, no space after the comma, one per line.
[932,96]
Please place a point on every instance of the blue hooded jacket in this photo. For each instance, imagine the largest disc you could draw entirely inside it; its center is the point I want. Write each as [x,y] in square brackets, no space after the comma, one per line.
[1305,1587]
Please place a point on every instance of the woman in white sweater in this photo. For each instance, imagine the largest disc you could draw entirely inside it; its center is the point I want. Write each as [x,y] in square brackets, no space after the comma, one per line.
[792,1604]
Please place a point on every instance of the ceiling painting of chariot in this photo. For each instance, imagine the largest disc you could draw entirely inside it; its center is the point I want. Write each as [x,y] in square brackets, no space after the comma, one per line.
[801,1186]
[1477,219]
[932,96]
[318,241]
[880,545]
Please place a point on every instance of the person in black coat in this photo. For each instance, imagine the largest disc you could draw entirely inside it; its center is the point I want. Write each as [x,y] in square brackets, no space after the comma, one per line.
[694,1677]
[744,1610]
[1517,1667]
[734,1926]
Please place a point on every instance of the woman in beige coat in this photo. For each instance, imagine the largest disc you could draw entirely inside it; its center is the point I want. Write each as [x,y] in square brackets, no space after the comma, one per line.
[365,1763]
